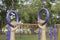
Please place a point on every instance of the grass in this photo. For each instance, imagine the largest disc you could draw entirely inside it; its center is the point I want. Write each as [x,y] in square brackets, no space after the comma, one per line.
[21,37]
[2,37]
[27,37]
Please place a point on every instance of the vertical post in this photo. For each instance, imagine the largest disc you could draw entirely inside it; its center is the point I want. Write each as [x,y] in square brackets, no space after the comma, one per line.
[55,31]
[50,32]
[8,34]
[58,31]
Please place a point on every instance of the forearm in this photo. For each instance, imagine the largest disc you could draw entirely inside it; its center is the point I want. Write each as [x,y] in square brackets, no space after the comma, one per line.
[43,34]
[42,26]
[12,35]
[13,29]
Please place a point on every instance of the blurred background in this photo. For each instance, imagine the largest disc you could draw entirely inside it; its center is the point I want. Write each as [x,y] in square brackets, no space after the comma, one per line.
[27,11]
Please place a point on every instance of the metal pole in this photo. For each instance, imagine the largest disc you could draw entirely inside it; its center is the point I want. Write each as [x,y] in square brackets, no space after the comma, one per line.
[55,31]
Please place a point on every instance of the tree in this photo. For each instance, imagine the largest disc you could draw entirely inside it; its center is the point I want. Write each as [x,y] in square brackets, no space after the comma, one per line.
[2,17]
[6,5]
[56,10]
[9,3]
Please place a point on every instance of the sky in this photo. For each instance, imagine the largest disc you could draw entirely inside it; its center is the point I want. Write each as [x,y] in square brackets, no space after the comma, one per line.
[26,2]
[0,1]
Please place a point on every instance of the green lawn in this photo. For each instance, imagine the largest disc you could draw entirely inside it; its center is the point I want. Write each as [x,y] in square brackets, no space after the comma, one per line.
[22,37]
[27,37]
[2,37]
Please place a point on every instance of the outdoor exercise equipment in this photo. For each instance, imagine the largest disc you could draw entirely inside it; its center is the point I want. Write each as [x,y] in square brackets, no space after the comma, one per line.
[47,15]
[17,19]
[51,27]
[46,11]
[9,23]
[7,17]
[46,19]
[39,16]
[8,20]
[55,32]
[50,32]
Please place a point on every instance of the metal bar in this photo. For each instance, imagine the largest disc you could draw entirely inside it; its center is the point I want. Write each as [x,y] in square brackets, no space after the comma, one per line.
[27,24]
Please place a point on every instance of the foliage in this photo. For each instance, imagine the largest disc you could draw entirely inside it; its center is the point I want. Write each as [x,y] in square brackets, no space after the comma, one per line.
[56,10]
[28,12]
[9,3]
[4,6]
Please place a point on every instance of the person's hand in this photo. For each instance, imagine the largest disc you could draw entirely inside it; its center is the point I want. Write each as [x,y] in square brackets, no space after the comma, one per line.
[40,24]
[14,23]
[40,21]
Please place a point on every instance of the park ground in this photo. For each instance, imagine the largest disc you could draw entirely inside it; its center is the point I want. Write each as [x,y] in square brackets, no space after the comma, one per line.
[22,37]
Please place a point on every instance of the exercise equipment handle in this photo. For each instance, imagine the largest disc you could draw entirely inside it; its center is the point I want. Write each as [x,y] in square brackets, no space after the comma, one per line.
[7,17]
[47,15]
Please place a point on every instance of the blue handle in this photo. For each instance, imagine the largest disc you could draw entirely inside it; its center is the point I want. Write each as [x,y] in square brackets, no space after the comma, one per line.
[7,17]
[47,15]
